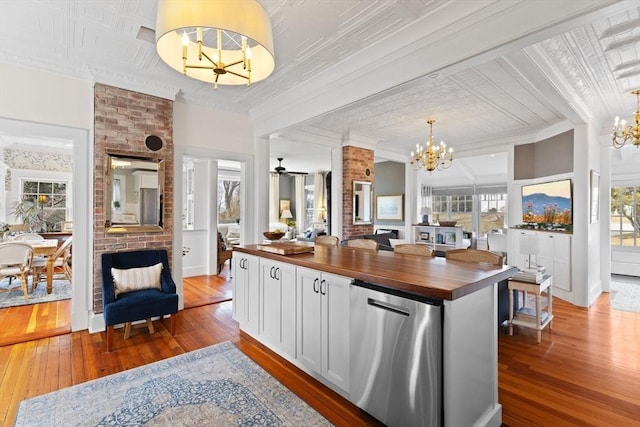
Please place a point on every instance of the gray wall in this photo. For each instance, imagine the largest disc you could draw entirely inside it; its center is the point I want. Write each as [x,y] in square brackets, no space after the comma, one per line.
[551,156]
[389,180]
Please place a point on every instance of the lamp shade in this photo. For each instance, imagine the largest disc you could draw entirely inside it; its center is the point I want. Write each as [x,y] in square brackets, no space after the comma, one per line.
[286,214]
[179,23]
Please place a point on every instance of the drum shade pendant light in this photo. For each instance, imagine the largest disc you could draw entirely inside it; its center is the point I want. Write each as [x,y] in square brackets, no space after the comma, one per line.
[227,42]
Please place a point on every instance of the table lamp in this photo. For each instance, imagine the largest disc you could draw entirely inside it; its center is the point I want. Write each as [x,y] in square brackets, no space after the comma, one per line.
[529,246]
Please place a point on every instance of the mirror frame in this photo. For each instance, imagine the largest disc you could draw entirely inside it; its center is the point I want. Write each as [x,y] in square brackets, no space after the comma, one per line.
[363,221]
[108,195]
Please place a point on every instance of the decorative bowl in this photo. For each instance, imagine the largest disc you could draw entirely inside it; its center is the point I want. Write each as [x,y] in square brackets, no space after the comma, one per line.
[273,235]
[448,223]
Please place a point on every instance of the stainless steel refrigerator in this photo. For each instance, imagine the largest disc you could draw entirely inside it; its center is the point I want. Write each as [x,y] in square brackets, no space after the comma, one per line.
[148,206]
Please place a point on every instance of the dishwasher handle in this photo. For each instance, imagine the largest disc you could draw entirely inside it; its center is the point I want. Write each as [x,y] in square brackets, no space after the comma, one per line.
[386,306]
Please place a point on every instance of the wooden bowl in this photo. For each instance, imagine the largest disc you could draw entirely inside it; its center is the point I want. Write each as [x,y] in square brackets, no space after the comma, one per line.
[448,223]
[273,235]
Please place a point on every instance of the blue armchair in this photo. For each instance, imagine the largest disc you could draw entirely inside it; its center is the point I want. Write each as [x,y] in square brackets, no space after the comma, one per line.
[143,302]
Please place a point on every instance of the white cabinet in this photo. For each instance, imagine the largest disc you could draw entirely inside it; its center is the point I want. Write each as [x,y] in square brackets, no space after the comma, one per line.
[555,255]
[323,324]
[550,250]
[278,305]
[246,291]
[438,238]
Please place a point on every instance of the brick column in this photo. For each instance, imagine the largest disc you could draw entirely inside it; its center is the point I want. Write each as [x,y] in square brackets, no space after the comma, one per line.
[356,162]
[123,120]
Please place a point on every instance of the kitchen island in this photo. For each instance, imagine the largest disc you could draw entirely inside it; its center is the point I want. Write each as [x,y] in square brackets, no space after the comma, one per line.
[299,306]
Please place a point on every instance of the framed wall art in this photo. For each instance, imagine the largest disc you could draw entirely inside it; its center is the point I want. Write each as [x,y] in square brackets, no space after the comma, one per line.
[389,208]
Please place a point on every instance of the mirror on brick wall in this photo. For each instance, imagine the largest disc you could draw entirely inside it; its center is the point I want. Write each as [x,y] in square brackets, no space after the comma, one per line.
[134,194]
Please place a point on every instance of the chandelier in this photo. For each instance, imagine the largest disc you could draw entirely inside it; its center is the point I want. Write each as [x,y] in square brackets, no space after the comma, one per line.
[432,156]
[622,133]
[227,42]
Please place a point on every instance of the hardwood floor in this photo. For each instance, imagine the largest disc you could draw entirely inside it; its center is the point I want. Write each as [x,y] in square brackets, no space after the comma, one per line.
[585,371]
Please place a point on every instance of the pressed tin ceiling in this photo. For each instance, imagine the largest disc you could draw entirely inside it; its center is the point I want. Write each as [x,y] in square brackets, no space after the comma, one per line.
[375,69]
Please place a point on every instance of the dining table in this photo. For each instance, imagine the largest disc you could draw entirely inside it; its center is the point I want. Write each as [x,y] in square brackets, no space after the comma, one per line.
[46,248]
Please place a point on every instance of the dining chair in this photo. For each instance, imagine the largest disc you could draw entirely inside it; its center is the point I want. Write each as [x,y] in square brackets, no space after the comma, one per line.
[362,244]
[327,240]
[15,261]
[475,255]
[61,258]
[224,253]
[414,249]
[28,237]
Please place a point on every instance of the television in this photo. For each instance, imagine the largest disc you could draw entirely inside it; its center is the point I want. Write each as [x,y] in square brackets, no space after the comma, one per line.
[548,202]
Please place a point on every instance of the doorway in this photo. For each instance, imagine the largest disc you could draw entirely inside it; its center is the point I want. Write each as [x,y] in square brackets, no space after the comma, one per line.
[55,158]
[212,208]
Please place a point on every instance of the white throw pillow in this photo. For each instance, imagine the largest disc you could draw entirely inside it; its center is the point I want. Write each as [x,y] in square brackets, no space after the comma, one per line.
[394,242]
[135,279]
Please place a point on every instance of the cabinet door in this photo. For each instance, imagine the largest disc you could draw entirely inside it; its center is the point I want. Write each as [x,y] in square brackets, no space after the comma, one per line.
[562,262]
[334,291]
[309,313]
[252,267]
[246,292]
[239,288]
[288,309]
[277,300]
[270,301]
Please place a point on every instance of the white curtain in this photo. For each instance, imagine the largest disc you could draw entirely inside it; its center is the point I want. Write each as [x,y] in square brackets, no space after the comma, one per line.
[318,197]
[301,203]
[274,198]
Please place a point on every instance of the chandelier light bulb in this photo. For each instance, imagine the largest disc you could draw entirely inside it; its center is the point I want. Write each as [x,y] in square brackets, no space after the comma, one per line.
[432,156]
[621,133]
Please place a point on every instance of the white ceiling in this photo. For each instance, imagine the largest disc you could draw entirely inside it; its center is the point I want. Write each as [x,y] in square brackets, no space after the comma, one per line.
[492,73]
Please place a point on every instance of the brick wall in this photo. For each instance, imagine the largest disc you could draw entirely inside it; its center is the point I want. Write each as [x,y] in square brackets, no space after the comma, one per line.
[123,120]
[355,162]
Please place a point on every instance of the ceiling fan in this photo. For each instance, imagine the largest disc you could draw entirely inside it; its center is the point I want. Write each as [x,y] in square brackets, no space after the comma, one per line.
[281,170]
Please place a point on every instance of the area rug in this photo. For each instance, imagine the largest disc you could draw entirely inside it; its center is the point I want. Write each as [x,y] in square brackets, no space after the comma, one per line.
[625,296]
[214,386]
[61,290]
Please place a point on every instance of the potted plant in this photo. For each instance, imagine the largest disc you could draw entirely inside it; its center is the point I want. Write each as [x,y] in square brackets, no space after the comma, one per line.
[29,213]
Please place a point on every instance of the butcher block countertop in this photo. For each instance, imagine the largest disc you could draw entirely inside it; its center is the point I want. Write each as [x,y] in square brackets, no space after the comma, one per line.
[433,277]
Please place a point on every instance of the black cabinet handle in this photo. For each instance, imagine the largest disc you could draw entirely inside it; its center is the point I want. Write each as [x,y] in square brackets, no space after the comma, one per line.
[322,289]
[315,285]
[277,273]
[271,272]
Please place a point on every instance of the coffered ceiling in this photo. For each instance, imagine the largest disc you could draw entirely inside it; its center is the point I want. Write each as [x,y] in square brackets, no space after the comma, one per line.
[491,73]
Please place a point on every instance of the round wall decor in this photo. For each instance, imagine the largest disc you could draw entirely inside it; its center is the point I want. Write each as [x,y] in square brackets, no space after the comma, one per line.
[153,142]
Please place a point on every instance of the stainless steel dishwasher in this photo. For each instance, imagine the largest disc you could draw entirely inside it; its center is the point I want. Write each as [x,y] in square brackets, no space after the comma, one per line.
[396,356]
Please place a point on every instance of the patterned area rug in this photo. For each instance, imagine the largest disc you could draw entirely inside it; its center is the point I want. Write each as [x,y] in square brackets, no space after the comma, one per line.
[214,386]
[625,296]
[14,297]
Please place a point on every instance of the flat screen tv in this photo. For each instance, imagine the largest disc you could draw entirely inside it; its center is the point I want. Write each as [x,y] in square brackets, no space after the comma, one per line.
[548,202]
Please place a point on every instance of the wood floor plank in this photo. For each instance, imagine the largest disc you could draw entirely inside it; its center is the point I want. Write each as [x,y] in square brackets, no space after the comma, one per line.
[585,371]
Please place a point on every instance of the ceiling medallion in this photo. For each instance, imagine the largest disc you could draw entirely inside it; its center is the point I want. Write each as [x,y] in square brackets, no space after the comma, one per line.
[227,42]
[432,156]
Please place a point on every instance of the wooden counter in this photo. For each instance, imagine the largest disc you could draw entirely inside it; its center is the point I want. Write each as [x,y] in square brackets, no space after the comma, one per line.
[432,277]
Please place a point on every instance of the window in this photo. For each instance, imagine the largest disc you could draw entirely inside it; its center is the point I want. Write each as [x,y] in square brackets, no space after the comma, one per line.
[51,198]
[228,200]
[310,208]
[456,208]
[491,212]
[625,216]
[480,209]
